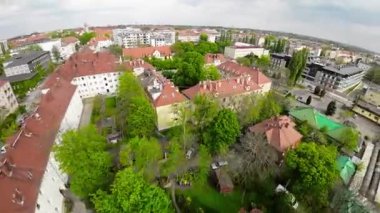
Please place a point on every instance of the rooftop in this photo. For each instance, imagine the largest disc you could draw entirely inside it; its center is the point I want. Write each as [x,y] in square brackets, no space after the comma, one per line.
[235,69]
[20,77]
[347,70]
[210,58]
[279,132]
[26,58]
[141,52]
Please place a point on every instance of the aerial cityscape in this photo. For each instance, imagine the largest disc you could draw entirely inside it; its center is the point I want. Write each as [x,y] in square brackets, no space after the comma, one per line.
[104,110]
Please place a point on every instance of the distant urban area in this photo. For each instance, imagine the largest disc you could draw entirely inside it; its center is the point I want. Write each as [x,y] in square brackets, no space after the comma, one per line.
[145,118]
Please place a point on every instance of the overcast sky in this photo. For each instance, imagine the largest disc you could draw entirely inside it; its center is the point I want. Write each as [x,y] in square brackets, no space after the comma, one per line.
[350,21]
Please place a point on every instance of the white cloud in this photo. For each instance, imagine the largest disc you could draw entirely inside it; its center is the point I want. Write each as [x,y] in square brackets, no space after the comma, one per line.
[341,20]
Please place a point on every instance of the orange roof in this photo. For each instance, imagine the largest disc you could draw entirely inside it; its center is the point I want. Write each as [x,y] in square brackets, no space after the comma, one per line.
[169,95]
[210,58]
[103,34]
[223,87]
[237,70]
[30,39]
[141,52]
[280,132]
[30,153]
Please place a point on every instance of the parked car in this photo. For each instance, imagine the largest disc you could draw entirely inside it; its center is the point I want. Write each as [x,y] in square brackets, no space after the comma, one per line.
[293,201]
[219,164]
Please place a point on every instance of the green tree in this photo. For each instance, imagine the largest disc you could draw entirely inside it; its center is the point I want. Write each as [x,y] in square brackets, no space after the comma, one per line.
[141,153]
[223,131]
[86,37]
[141,118]
[252,40]
[176,159]
[130,193]
[203,37]
[263,62]
[297,65]
[331,108]
[314,171]
[349,139]
[116,50]
[373,74]
[205,109]
[244,61]
[210,73]
[33,47]
[83,156]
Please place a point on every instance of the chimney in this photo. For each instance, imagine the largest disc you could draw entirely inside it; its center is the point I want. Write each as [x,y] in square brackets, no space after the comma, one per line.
[18,197]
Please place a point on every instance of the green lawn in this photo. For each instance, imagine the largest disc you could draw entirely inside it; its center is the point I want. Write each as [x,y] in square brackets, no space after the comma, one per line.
[210,200]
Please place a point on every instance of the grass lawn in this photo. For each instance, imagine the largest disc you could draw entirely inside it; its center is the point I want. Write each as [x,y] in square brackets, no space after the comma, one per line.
[210,200]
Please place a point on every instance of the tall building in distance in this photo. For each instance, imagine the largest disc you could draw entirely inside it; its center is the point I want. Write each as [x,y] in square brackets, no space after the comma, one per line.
[135,37]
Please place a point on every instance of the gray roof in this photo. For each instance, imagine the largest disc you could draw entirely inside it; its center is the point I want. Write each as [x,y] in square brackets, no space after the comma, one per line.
[21,59]
[17,78]
[369,107]
[349,70]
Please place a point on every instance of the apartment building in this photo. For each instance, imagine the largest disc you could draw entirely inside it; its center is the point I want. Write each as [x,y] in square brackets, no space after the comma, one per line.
[161,52]
[239,50]
[279,60]
[8,101]
[162,37]
[193,35]
[131,37]
[68,47]
[26,63]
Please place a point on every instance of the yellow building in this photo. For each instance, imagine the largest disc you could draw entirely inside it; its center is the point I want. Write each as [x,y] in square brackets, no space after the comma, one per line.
[369,106]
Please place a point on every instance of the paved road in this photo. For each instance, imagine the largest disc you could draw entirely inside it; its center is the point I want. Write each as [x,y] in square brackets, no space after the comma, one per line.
[87,111]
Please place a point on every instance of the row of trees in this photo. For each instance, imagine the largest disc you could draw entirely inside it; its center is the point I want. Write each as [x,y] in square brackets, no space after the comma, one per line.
[275,45]
[262,62]
[297,65]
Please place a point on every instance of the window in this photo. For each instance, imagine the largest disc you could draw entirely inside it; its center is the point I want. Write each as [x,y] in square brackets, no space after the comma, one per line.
[106,84]
[105,79]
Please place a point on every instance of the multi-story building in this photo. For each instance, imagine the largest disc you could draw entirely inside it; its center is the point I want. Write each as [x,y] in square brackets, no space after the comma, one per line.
[8,102]
[26,63]
[337,78]
[162,52]
[131,37]
[279,60]
[35,184]
[193,35]
[239,50]
[162,37]
[3,47]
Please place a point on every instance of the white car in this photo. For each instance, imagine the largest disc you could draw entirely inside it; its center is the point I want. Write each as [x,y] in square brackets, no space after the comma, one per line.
[219,164]
[293,201]
[189,153]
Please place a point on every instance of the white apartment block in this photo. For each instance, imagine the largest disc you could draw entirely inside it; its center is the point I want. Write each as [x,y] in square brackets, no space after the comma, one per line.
[235,52]
[8,102]
[99,84]
[26,63]
[131,37]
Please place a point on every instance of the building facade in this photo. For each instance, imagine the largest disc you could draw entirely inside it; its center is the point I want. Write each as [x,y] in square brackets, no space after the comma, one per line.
[131,37]
[368,105]
[235,52]
[26,63]
[162,52]
[8,101]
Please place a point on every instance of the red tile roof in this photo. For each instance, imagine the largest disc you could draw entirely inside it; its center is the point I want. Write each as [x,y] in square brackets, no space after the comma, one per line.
[223,88]
[237,70]
[28,150]
[130,65]
[210,58]
[141,52]
[169,95]
[280,132]
[30,39]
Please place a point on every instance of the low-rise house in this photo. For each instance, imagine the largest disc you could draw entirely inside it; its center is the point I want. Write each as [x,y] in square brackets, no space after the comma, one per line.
[162,52]
[193,35]
[241,50]
[368,105]
[214,59]
[25,64]
[279,132]
[8,102]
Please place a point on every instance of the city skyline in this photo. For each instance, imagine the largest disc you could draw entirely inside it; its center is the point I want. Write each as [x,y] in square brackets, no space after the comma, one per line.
[347,22]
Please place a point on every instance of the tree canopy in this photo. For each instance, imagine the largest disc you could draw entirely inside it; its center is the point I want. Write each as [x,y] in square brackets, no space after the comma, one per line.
[86,37]
[373,74]
[130,193]
[210,73]
[83,156]
[314,171]
[223,131]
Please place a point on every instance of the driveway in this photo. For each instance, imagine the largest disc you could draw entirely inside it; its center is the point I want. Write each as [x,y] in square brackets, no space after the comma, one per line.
[87,111]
